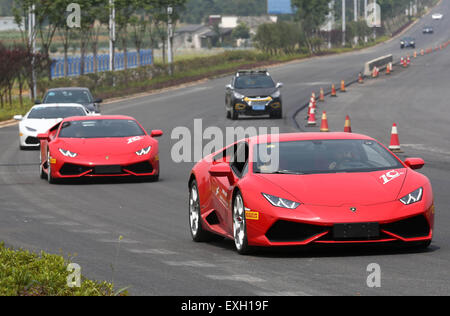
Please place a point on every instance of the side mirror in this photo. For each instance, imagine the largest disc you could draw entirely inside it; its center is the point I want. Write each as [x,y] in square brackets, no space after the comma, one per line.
[222,170]
[18,117]
[280,85]
[415,163]
[228,87]
[43,136]
[37,101]
[98,101]
[156,133]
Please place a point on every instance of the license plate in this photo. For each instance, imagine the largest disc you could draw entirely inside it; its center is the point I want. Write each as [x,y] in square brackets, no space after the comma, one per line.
[356,230]
[258,107]
[108,169]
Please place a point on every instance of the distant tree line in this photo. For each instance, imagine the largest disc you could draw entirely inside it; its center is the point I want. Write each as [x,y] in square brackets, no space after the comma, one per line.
[136,20]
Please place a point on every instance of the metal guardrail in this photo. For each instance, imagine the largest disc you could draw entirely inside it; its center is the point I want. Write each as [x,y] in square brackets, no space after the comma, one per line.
[74,63]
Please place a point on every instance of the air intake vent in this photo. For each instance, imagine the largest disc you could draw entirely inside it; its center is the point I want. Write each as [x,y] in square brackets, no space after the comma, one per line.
[284,231]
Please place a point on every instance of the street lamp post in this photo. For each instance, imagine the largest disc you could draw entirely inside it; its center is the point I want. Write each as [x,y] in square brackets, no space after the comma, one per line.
[169,38]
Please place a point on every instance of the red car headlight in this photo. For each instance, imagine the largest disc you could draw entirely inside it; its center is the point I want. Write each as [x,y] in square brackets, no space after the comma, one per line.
[280,202]
[413,197]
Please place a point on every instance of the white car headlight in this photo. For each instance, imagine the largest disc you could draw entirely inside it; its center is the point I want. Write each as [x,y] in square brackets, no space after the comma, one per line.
[276,94]
[238,95]
[68,153]
[280,202]
[413,197]
[144,151]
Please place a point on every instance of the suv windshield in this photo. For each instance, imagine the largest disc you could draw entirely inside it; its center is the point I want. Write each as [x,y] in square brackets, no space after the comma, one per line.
[100,129]
[324,156]
[55,112]
[68,96]
[254,82]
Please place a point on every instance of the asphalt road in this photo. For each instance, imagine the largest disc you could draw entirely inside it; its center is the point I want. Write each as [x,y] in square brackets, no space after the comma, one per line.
[157,256]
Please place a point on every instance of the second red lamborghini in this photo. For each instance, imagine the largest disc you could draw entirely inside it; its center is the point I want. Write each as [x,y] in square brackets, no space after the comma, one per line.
[97,147]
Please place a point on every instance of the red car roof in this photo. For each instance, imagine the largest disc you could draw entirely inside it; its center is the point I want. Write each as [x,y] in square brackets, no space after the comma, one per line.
[308,136]
[101,117]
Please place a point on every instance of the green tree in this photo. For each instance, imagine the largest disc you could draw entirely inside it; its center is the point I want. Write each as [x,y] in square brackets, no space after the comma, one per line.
[311,14]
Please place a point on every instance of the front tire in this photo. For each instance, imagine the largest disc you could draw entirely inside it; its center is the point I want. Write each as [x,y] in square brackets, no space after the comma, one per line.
[50,178]
[195,219]
[240,225]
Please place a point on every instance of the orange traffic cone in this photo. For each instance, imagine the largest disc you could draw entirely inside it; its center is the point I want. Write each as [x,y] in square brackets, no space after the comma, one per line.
[343,86]
[322,95]
[348,127]
[312,118]
[324,124]
[422,52]
[415,54]
[395,143]
[333,90]
[310,106]
[360,78]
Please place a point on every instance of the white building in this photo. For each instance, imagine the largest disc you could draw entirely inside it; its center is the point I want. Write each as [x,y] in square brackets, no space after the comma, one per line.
[7,23]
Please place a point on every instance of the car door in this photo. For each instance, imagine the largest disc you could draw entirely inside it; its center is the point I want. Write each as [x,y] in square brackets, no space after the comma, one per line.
[221,187]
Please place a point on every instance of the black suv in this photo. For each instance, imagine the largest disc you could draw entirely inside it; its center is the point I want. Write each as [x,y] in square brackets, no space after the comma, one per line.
[253,92]
[72,95]
[407,42]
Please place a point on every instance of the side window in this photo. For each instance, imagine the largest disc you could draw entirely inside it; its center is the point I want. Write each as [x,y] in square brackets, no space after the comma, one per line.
[240,159]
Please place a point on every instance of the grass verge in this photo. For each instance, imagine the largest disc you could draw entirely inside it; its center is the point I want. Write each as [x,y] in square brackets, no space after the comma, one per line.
[23,273]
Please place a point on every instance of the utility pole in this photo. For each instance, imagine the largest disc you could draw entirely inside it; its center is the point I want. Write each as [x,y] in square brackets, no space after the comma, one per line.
[32,45]
[169,39]
[365,18]
[112,34]
[344,28]
[375,14]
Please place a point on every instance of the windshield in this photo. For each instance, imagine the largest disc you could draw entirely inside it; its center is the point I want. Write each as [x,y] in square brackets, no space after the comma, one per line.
[254,82]
[100,129]
[55,112]
[325,156]
[68,96]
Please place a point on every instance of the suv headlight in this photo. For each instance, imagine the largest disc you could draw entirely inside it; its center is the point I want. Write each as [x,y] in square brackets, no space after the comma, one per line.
[280,202]
[238,95]
[144,151]
[68,153]
[276,94]
[413,197]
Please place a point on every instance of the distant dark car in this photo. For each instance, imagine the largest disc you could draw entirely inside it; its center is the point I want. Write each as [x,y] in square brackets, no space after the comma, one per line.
[428,30]
[407,42]
[253,92]
[72,95]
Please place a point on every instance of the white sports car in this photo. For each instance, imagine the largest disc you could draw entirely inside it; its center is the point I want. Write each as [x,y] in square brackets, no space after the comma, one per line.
[437,16]
[41,118]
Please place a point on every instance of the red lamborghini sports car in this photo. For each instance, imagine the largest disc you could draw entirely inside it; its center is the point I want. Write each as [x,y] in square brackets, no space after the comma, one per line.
[99,146]
[328,188]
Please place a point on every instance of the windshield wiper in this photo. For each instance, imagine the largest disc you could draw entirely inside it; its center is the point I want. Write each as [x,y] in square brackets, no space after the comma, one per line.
[286,172]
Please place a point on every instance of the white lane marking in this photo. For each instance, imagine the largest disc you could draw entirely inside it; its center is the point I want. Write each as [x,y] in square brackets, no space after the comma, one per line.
[89,231]
[237,277]
[283,293]
[123,241]
[62,223]
[423,147]
[148,100]
[196,264]
[152,251]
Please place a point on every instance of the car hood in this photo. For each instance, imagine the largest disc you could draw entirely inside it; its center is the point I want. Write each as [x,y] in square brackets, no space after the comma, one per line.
[338,189]
[258,92]
[40,125]
[99,147]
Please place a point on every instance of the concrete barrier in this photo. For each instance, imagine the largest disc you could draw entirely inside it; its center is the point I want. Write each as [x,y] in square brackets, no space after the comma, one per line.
[380,62]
